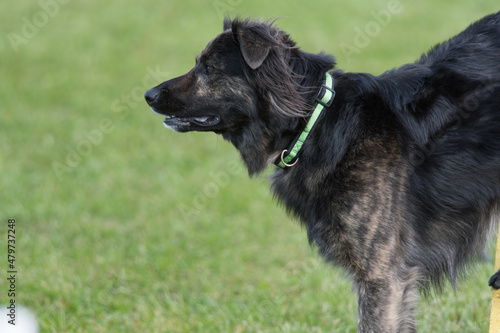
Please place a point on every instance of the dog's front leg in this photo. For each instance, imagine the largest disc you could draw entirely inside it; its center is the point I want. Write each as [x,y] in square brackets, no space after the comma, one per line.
[387,305]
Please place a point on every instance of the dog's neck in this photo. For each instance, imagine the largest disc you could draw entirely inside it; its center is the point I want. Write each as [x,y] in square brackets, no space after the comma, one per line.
[324,98]
[309,72]
[275,130]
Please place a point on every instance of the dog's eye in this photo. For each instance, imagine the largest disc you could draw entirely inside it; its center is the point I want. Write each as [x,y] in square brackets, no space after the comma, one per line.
[209,69]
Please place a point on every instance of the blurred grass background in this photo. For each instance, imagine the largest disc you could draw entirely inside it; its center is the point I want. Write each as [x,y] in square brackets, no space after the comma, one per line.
[123,226]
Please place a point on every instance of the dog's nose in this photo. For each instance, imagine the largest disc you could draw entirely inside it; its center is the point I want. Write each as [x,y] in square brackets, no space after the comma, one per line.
[151,95]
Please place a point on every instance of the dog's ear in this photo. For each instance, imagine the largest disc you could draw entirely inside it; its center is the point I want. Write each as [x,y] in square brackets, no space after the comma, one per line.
[227,23]
[253,47]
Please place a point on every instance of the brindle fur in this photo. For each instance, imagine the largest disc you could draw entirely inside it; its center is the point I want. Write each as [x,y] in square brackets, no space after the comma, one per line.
[399,180]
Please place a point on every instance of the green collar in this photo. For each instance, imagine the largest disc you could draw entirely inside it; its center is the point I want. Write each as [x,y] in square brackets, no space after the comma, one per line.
[324,99]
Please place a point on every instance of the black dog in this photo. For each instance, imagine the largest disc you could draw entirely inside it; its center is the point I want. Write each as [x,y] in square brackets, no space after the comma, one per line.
[396,177]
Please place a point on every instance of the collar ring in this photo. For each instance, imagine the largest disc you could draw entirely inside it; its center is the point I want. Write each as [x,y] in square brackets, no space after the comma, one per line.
[286,164]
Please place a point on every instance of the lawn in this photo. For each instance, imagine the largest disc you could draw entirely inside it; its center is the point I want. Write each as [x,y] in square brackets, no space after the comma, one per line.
[124,226]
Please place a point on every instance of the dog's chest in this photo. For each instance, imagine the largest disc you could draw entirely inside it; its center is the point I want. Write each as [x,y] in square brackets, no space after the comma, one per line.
[347,212]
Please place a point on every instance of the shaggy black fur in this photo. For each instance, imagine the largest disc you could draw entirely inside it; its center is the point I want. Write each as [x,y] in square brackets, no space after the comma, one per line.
[399,180]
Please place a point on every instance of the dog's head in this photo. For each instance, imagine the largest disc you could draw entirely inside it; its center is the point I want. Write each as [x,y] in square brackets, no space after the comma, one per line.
[211,96]
[247,83]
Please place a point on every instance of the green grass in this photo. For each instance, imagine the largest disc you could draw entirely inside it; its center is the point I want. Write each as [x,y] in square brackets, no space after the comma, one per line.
[142,233]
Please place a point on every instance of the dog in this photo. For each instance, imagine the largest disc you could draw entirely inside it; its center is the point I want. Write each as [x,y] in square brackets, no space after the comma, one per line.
[395,177]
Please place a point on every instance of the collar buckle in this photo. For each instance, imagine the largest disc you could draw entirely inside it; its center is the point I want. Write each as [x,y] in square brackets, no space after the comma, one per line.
[328,92]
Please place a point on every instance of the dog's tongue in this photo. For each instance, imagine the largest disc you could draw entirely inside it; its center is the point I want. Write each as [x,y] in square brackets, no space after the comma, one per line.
[206,120]
[202,119]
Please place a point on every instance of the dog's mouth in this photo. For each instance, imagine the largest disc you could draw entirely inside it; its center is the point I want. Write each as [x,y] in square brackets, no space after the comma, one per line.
[204,121]
[184,124]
